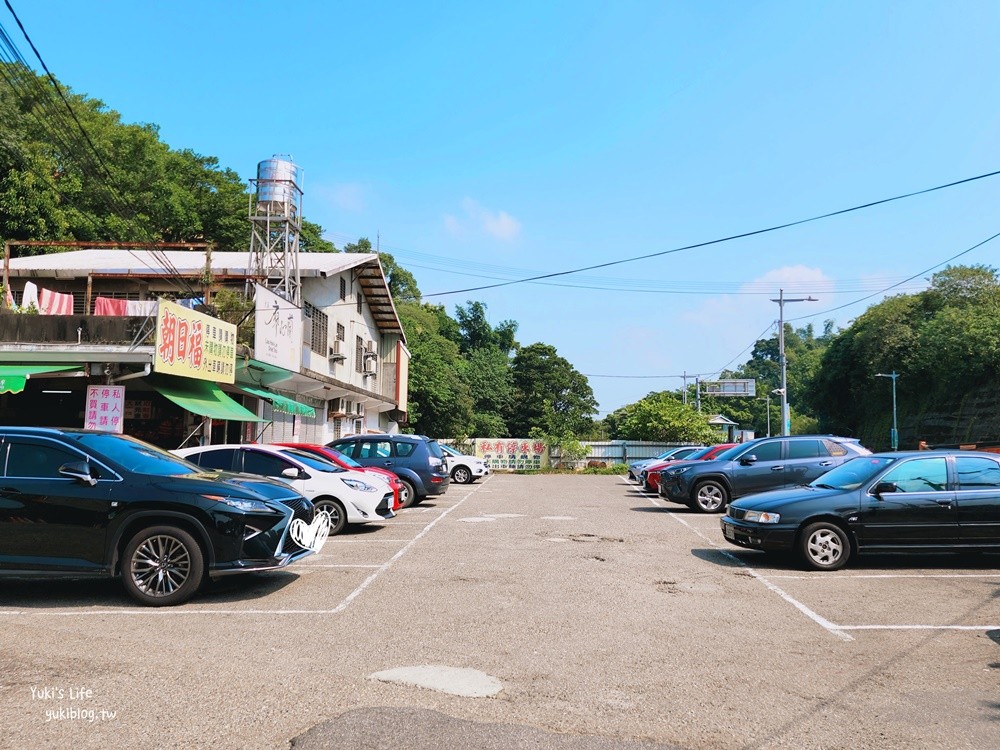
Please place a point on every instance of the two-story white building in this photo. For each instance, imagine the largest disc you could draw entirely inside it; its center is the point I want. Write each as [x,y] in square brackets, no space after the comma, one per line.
[336,366]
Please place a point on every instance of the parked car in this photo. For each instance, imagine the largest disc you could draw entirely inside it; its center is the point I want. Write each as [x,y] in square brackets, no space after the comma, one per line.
[417,460]
[650,476]
[77,503]
[919,500]
[346,462]
[464,469]
[756,466]
[345,496]
[678,452]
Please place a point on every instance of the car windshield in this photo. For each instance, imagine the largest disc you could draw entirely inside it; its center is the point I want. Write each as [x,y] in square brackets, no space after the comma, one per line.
[312,460]
[135,455]
[852,474]
[698,454]
[449,450]
[729,453]
[346,459]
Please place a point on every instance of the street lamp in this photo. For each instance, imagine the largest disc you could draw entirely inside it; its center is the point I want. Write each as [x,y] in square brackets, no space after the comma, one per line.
[786,418]
[767,398]
[894,435]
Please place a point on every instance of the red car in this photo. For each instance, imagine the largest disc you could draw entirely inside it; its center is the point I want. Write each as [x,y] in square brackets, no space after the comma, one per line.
[346,462]
[652,478]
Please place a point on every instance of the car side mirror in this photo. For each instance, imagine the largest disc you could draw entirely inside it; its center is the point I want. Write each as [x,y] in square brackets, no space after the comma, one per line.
[292,473]
[883,487]
[78,470]
[747,460]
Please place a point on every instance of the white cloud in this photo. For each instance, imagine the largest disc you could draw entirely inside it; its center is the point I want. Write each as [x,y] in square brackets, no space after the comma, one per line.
[498,224]
[345,196]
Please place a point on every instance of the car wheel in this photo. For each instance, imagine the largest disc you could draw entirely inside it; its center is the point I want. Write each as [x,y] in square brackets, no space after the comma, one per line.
[710,496]
[162,565]
[334,509]
[407,494]
[462,475]
[824,546]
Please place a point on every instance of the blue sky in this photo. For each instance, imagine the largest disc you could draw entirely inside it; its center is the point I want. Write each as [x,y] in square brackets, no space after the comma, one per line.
[485,143]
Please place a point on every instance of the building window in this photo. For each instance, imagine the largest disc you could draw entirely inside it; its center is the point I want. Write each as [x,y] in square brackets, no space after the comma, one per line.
[359,354]
[319,328]
[343,288]
[359,302]
[341,333]
[338,428]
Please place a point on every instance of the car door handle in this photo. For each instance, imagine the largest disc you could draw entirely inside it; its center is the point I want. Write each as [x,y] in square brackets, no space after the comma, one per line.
[9,491]
[945,503]
[777,468]
[826,463]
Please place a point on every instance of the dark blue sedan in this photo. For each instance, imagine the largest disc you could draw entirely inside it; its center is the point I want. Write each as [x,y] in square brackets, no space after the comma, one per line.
[920,500]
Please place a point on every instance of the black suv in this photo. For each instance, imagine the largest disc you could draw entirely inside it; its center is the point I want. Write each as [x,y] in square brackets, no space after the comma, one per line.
[417,460]
[755,466]
[79,503]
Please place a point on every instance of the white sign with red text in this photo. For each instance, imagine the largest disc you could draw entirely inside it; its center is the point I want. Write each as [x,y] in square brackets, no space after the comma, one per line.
[105,408]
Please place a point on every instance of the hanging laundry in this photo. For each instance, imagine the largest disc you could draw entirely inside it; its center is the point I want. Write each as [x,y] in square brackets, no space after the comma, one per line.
[141,307]
[109,306]
[55,303]
[191,302]
[9,298]
[30,297]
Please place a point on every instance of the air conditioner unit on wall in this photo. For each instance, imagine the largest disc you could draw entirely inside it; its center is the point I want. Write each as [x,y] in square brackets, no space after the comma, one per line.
[371,367]
[336,351]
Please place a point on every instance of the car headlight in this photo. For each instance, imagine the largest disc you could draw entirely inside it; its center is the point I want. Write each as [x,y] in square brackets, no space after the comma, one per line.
[249,506]
[355,484]
[762,516]
[676,472]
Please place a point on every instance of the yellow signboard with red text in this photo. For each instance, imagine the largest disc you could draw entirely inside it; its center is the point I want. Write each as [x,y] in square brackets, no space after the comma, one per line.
[194,345]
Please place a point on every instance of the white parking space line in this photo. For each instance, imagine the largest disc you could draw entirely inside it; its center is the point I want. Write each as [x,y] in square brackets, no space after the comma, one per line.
[164,611]
[331,565]
[830,627]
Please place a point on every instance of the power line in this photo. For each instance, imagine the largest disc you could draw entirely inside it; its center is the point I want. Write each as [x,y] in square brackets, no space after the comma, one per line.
[721,239]
[911,278]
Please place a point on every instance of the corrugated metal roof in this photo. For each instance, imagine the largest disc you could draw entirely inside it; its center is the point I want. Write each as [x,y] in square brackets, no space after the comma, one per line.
[126,261]
[130,262]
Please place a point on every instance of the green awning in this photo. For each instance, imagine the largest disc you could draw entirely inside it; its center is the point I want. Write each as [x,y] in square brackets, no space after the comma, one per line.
[13,378]
[279,403]
[204,398]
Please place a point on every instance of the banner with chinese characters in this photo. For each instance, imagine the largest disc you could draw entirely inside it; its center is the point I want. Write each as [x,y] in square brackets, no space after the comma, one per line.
[277,330]
[512,453]
[194,345]
[105,408]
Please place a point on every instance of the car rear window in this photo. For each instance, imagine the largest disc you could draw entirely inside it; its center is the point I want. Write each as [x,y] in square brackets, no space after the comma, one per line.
[435,448]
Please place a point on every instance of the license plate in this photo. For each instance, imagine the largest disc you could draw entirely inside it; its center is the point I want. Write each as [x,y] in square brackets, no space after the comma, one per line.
[727,530]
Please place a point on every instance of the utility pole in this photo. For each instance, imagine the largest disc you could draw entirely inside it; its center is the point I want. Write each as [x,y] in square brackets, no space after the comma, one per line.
[894,435]
[786,417]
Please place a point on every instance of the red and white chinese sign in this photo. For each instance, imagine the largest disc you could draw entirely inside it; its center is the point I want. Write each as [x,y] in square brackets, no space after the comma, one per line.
[513,453]
[105,408]
[194,345]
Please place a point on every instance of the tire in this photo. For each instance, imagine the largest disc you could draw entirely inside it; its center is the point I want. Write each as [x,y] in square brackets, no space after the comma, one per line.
[335,509]
[824,546]
[161,566]
[710,496]
[408,494]
[462,475]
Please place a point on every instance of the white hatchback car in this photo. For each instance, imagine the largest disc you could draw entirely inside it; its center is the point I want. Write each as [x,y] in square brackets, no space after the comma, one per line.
[464,469]
[347,496]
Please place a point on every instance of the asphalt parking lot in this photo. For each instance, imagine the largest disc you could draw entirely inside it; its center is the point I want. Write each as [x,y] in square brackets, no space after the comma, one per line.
[601,616]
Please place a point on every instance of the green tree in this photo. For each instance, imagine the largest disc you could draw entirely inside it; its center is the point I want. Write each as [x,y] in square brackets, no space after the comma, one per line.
[661,417]
[440,404]
[549,393]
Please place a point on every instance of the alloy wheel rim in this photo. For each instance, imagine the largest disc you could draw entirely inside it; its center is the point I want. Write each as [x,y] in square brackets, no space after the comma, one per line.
[160,565]
[825,547]
[710,498]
